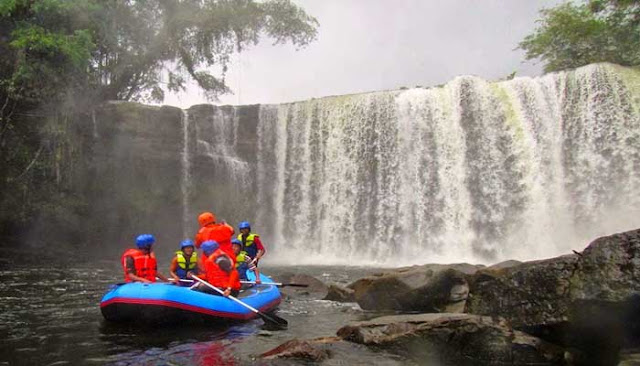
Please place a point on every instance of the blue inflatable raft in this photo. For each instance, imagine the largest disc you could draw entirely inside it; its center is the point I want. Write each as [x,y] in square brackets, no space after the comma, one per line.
[163,302]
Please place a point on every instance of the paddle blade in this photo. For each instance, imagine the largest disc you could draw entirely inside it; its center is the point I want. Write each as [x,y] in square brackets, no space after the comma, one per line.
[273,322]
[295,285]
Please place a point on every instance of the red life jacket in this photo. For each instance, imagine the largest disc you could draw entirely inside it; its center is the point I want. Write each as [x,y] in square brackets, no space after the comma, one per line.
[219,278]
[145,264]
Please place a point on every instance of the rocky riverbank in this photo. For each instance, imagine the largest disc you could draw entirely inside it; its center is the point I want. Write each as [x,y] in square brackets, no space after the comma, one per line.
[582,308]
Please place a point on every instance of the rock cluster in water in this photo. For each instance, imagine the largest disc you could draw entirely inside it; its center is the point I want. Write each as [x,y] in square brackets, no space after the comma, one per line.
[577,309]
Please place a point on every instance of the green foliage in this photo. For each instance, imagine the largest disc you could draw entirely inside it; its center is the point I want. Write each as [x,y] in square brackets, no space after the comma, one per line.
[133,50]
[572,35]
[145,43]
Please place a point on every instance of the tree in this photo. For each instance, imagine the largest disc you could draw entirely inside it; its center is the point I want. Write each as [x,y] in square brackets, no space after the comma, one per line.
[572,35]
[59,58]
[125,49]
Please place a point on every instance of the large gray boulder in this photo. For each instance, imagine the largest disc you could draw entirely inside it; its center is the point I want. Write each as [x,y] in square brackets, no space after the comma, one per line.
[548,291]
[453,339]
[340,294]
[428,288]
[315,289]
[589,301]
[530,294]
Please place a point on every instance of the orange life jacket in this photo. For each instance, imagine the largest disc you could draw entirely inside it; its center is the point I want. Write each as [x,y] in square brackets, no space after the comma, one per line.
[221,233]
[145,264]
[219,278]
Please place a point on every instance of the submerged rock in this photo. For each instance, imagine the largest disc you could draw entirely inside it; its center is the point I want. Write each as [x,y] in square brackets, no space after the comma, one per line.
[340,294]
[455,339]
[429,288]
[316,289]
[298,349]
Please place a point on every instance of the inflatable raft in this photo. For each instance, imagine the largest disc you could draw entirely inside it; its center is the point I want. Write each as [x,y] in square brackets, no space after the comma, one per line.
[163,302]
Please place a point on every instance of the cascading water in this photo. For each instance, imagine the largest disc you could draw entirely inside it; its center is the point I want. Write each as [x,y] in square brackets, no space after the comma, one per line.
[220,146]
[222,179]
[470,171]
[186,176]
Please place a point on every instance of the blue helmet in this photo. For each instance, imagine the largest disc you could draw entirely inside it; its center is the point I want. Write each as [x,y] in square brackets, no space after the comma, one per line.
[145,241]
[187,243]
[210,246]
[236,241]
[244,225]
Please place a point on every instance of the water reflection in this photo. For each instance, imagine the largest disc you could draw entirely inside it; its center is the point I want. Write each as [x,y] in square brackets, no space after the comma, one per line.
[49,315]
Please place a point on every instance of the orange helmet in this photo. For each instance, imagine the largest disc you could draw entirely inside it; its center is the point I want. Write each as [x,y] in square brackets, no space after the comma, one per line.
[206,218]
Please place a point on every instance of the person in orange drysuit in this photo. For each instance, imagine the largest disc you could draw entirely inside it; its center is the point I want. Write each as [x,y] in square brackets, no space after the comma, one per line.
[218,232]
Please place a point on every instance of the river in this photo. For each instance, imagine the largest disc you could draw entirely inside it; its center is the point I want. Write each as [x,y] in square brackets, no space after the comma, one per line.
[50,315]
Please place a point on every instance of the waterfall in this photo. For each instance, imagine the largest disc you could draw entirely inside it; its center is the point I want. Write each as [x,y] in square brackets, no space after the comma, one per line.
[220,146]
[94,124]
[186,176]
[469,171]
[223,183]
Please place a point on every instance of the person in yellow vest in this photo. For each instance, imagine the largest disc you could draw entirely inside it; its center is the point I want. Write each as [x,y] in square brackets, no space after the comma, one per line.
[250,242]
[244,262]
[185,261]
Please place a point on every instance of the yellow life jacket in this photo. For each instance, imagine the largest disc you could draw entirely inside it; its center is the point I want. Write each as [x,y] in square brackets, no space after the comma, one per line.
[241,258]
[182,261]
[248,244]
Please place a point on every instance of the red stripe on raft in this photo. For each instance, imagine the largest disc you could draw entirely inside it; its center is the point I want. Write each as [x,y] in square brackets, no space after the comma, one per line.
[177,305]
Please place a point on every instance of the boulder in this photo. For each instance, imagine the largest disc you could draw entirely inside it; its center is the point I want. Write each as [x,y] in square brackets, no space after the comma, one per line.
[458,339]
[609,268]
[298,349]
[316,289]
[328,350]
[587,301]
[505,264]
[530,294]
[339,294]
[429,288]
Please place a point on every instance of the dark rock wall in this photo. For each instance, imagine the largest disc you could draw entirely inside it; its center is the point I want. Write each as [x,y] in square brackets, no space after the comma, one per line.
[136,170]
[135,180]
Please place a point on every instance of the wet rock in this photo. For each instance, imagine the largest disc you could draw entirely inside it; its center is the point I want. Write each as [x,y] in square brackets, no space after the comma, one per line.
[530,294]
[587,301]
[460,339]
[505,264]
[300,350]
[547,291]
[316,289]
[339,294]
[609,268]
[337,351]
[429,288]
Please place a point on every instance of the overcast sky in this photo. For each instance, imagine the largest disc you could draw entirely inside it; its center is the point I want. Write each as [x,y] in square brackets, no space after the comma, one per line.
[368,45]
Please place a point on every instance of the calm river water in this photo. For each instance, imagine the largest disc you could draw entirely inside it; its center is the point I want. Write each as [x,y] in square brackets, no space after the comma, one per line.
[50,315]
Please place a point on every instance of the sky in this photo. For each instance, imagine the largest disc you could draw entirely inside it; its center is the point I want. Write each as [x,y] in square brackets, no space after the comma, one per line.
[370,45]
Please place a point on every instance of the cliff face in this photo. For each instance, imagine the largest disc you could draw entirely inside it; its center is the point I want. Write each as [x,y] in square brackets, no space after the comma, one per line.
[135,182]
[143,166]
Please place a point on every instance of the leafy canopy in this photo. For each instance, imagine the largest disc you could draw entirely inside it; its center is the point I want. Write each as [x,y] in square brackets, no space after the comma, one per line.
[134,49]
[572,35]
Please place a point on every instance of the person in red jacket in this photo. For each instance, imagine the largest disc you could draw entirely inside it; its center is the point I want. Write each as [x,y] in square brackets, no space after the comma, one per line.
[218,232]
[219,270]
[140,263]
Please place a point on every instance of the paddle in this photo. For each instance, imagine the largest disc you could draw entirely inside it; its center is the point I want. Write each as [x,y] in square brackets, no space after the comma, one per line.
[279,284]
[272,319]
